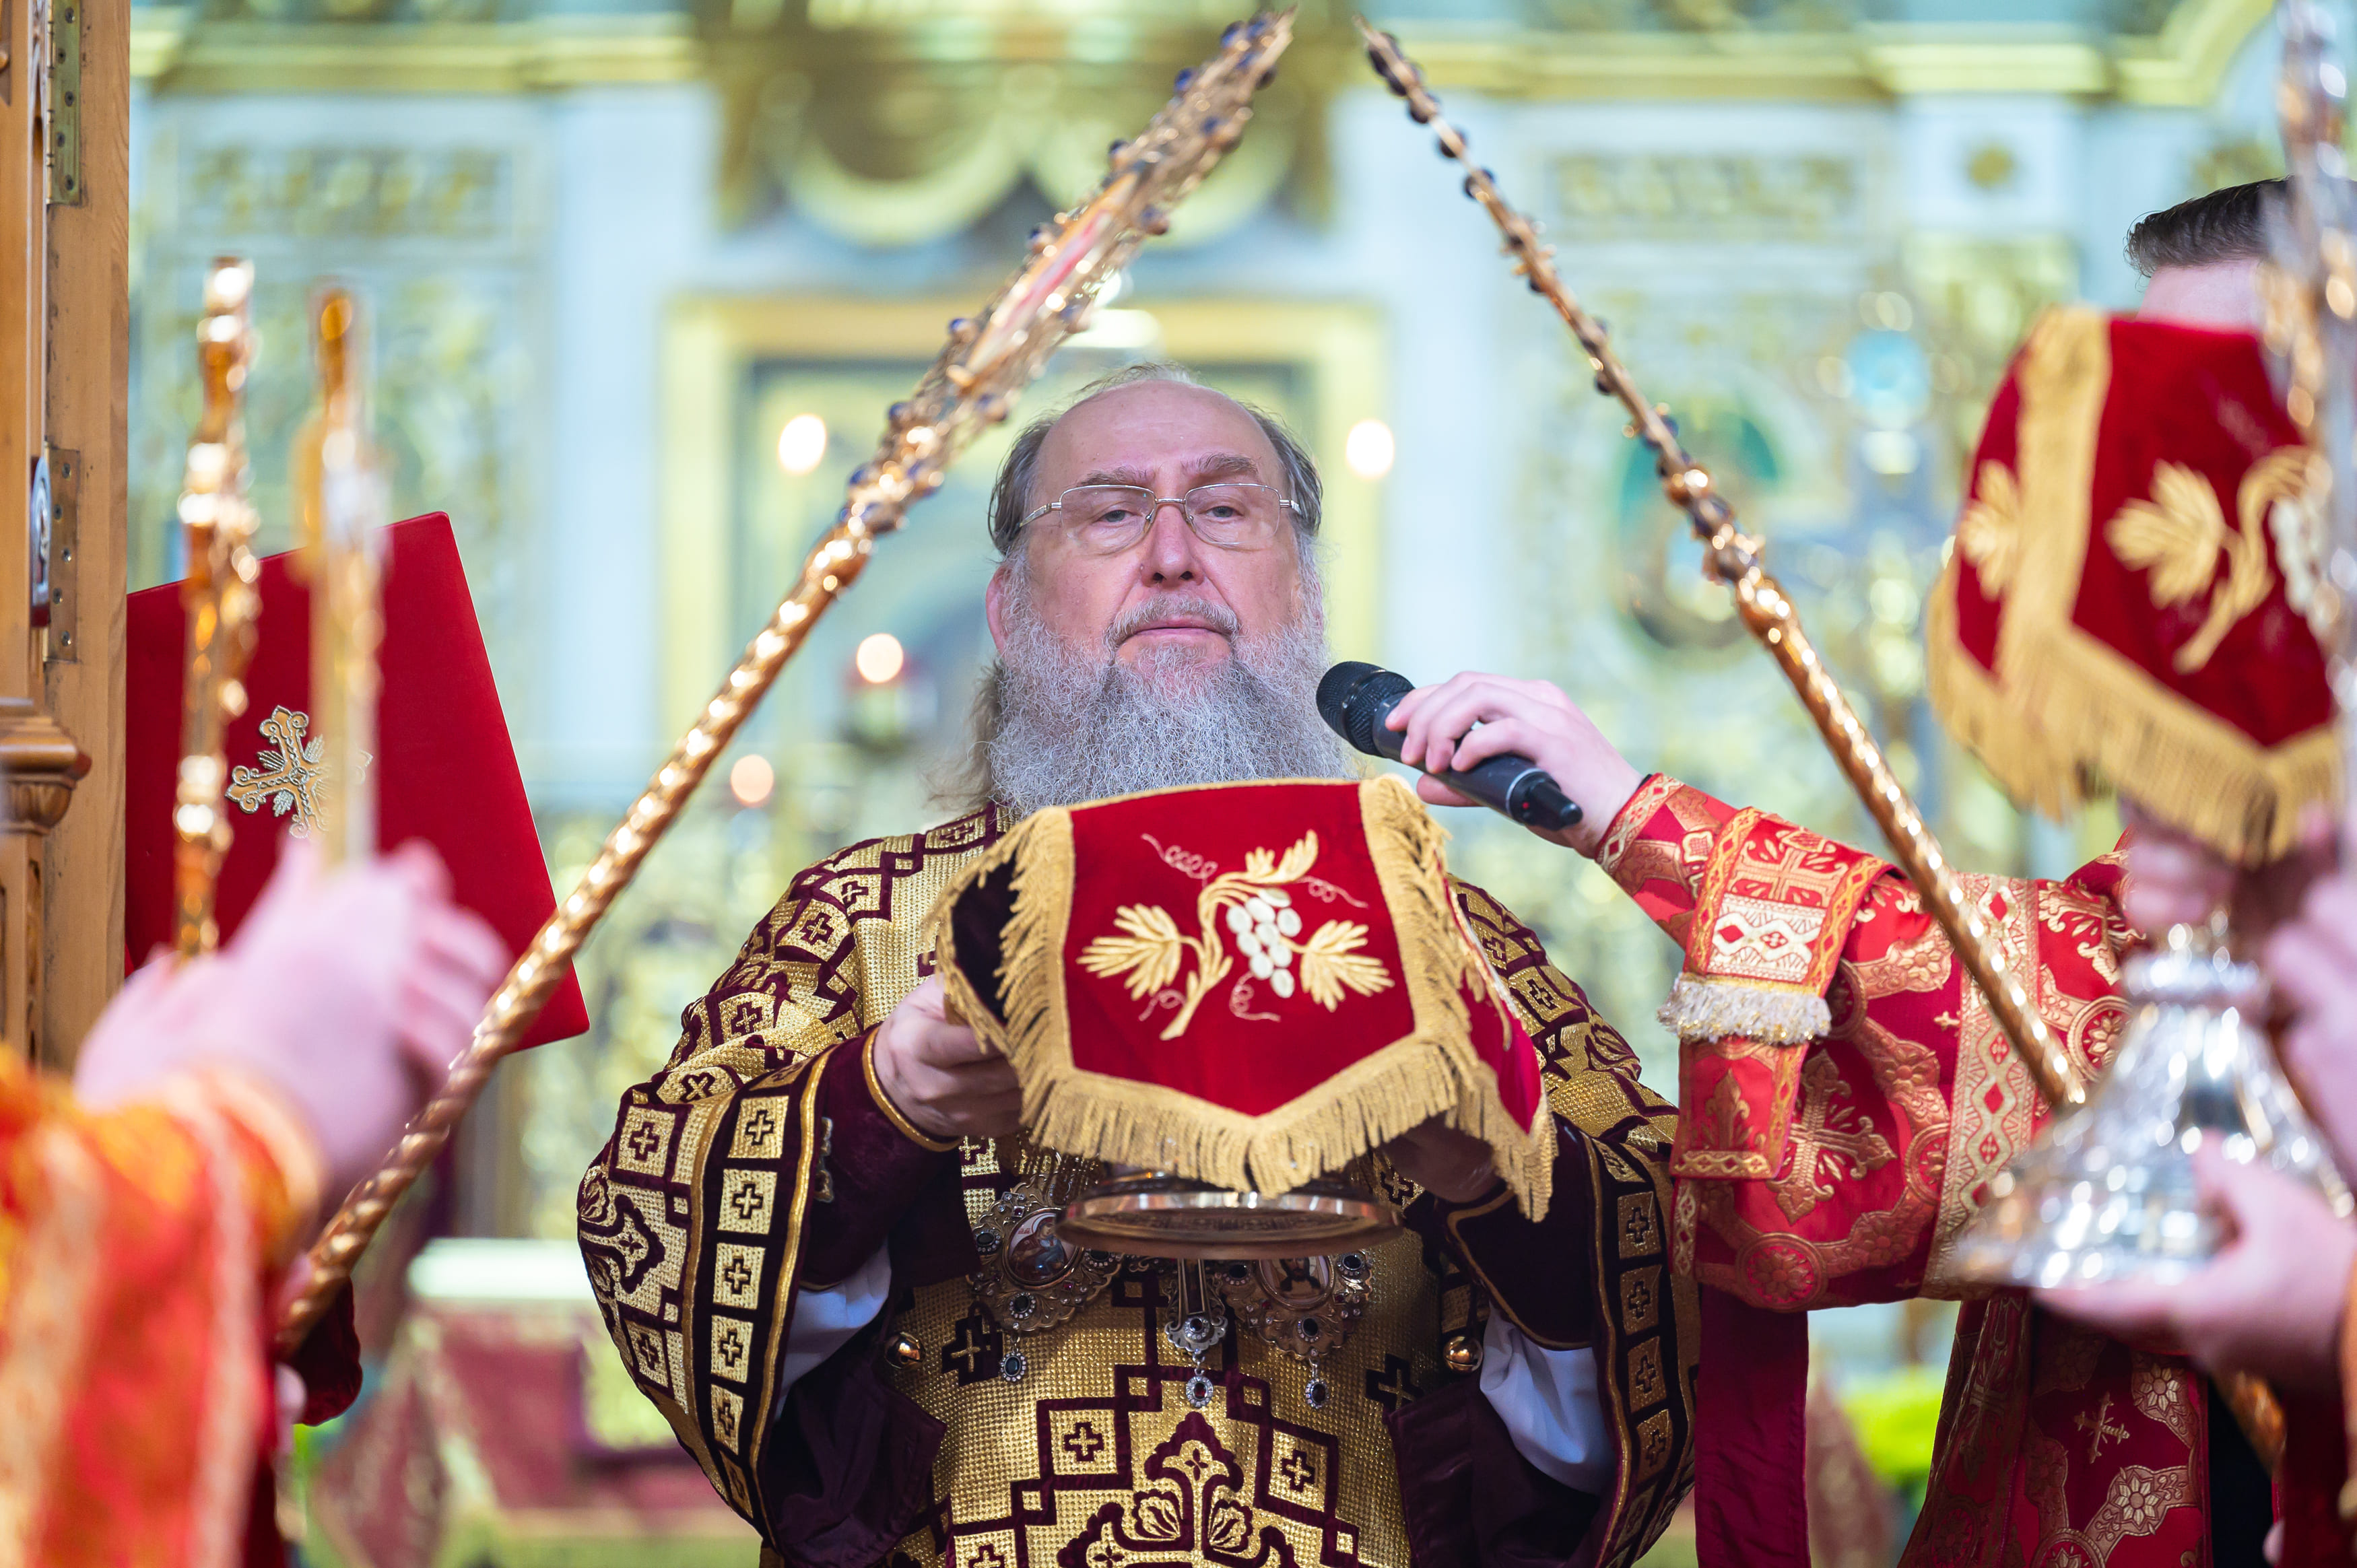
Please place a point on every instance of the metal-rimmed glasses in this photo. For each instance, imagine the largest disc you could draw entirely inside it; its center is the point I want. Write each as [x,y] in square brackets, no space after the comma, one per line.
[1105,519]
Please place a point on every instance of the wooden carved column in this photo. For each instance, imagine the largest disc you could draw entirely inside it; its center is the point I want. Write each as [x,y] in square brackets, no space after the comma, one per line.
[64,204]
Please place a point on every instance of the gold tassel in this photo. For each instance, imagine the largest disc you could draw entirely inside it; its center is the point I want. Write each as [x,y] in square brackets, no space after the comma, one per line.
[1973,708]
[1702,1008]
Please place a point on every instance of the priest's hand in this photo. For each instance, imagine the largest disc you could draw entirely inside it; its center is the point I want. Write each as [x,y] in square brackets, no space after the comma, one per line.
[2270,1303]
[1452,1165]
[346,992]
[2175,879]
[2313,962]
[940,1076]
[1470,718]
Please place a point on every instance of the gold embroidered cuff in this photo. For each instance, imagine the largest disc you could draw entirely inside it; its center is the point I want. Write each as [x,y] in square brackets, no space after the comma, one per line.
[1630,820]
[892,1111]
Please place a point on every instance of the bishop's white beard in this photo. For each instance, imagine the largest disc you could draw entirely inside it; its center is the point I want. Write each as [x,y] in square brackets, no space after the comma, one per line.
[1074,726]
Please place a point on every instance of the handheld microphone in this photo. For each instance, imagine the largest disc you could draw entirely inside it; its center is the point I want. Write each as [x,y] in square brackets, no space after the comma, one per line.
[1354,700]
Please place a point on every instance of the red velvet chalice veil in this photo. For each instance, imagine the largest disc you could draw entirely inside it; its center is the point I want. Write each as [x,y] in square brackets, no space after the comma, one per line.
[2135,591]
[1248,985]
[446,771]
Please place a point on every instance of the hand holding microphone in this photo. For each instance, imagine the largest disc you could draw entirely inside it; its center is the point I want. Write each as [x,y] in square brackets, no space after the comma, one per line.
[1520,747]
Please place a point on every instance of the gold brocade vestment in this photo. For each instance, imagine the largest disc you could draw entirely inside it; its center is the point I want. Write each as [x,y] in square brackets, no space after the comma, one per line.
[1077,1445]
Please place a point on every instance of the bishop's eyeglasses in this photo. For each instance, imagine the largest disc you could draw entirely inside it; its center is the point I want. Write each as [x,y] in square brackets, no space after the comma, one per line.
[1105,519]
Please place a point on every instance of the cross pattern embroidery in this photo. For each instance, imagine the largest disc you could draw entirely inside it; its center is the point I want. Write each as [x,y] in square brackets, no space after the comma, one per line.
[289,774]
[2100,1429]
[974,1355]
[1391,1386]
[1801,867]
[1085,1442]
[736,1274]
[643,1140]
[1298,1472]
[748,1199]
[1829,1141]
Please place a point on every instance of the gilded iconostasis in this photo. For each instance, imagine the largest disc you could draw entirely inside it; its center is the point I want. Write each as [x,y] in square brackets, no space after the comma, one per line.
[644,279]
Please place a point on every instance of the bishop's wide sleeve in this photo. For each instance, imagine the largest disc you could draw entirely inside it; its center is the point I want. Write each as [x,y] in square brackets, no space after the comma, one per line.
[1845,1093]
[762,1160]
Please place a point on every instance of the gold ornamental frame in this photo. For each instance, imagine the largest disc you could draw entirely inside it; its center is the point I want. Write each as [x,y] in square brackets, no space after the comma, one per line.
[1337,349]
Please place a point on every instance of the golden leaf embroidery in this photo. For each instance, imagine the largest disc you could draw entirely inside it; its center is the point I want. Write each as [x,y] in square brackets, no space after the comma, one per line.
[1148,954]
[2175,536]
[1252,907]
[1990,532]
[1331,960]
[2179,534]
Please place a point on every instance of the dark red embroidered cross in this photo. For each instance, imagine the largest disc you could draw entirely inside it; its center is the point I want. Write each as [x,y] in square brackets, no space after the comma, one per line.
[1085,1442]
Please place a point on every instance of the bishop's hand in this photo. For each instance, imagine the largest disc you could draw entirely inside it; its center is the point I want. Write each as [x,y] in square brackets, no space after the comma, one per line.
[940,1076]
[1451,1166]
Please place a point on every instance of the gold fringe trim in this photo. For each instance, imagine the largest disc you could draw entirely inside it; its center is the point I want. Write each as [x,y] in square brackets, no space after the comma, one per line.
[1974,708]
[1440,955]
[1432,1071]
[2188,769]
[1701,1007]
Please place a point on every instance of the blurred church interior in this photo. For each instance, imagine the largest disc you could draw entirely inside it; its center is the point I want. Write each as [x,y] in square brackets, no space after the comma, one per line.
[645,276]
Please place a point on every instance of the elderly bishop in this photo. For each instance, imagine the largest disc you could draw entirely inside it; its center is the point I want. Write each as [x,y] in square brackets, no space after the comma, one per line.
[825,1248]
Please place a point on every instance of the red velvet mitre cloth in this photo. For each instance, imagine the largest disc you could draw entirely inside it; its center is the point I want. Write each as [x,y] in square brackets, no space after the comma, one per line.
[2135,588]
[1247,985]
[445,768]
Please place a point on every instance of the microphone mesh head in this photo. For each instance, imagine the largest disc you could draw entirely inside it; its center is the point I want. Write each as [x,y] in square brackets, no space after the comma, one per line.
[1351,699]
[1334,689]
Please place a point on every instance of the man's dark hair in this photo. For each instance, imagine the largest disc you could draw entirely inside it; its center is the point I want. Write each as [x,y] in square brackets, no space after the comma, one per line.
[1010,495]
[2227,225]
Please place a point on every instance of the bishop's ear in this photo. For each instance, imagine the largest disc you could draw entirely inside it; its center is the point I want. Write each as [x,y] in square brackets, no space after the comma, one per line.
[994,603]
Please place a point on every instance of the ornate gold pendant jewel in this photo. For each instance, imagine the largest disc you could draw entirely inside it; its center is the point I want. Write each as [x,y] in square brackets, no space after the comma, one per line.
[1305,1307]
[1194,1319]
[1032,1279]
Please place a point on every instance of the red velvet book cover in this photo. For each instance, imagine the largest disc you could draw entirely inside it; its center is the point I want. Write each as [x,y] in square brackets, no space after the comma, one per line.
[445,769]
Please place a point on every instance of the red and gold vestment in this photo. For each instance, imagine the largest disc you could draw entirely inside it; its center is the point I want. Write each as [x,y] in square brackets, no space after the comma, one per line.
[1831,1165]
[761,1162]
[135,1249]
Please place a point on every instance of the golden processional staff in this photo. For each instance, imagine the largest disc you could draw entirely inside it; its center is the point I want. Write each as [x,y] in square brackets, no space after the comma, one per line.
[1734,558]
[340,492]
[989,360]
[221,599]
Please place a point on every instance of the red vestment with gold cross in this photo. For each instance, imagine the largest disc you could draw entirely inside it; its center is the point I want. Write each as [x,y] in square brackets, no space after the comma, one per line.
[1831,1160]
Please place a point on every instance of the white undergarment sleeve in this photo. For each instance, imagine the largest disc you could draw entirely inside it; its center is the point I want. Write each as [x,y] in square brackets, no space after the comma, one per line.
[824,1320]
[1549,1402]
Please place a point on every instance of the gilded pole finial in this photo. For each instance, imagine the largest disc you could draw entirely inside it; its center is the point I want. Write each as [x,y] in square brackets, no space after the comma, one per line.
[340,490]
[218,597]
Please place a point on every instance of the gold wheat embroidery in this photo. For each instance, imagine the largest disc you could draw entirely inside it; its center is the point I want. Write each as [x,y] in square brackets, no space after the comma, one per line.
[1254,906]
[1990,532]
[2177,536]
